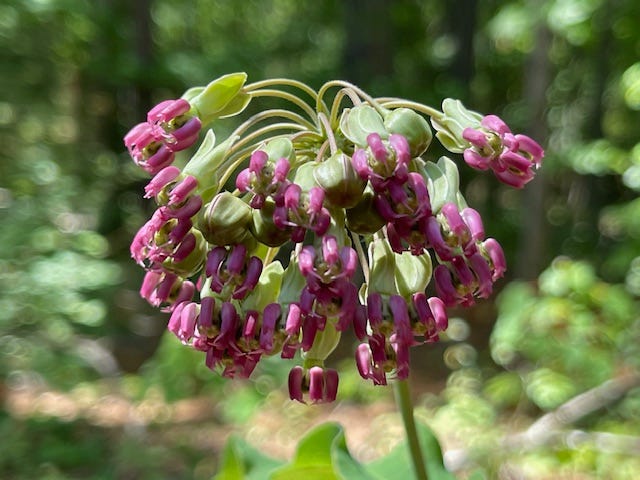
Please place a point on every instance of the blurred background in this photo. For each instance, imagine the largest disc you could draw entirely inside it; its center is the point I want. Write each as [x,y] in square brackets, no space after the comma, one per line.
[541,381]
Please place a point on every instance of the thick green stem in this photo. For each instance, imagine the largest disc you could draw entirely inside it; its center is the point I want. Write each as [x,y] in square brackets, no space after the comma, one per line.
[403,401]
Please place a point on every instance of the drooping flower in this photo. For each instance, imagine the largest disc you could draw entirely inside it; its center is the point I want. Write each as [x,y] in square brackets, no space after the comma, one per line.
[302,211]
[513,158]
[169,129]
[264,178]
[383,162]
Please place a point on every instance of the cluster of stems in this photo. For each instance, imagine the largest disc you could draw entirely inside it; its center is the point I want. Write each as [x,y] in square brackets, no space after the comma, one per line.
[324,215]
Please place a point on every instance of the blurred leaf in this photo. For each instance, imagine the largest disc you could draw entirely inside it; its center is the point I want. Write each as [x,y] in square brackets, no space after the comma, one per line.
[398,464]
[240,461]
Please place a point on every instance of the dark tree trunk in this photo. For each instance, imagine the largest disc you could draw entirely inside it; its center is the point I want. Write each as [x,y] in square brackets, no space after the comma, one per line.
[532,246]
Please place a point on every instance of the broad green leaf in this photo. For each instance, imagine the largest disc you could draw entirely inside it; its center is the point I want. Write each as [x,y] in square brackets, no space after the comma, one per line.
[398,464]
[322,454]
[240,461]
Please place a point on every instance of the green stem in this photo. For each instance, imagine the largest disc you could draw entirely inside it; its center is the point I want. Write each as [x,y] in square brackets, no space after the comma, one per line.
[358,91]
[403,401]
[264,92]
[392,102]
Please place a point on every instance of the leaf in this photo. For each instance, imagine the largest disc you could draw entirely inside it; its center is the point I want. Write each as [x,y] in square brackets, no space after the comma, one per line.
[398,464]
[322,454]
[240,461]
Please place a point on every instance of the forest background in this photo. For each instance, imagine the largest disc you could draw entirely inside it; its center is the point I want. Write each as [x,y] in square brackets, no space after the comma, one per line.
[540,381]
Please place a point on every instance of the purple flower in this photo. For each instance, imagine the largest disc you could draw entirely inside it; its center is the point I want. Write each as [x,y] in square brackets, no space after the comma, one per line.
[169,234]
[301,212]
[169,129]
[512,158]
[172,124]
[321,384]
[232,274]
[383,161]
[329,291]
[264,178]
[147,151]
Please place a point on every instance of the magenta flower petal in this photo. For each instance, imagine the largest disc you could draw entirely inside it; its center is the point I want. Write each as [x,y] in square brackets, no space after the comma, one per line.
[161,180]
[296,376]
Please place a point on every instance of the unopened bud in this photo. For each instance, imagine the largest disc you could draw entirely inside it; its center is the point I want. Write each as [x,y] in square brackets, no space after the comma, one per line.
[364,218]
[412,126]
[359,122]
[342,185]
[226,220]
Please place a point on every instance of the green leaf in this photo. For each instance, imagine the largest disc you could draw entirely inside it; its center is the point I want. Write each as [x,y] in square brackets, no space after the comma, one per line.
[322,454]
[398,464]
[240,461]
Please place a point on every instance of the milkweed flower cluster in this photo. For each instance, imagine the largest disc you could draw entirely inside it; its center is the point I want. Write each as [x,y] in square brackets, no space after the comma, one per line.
[309,222]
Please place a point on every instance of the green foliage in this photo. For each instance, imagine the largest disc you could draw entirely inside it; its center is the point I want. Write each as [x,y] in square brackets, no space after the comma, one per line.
[68,208]
[322,454]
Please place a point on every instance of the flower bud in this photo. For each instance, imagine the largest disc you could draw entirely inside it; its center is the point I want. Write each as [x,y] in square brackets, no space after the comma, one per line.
[189,257]
[412,126]
[454,120]
[225,220]
[342,185]
[359,122]
[216,99]
[267,290]
[206,162]
[382,268]
[263,228]
[364,218]
[324,343]
[412,273]
[280,148]
[304,177]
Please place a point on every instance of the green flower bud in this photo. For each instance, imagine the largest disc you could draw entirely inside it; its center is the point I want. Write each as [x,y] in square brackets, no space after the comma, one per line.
[324,344]
[205,164]
[412,126]
[220,97]
[279,148]
[192,264]
[267,290]
[264,230]
[192,93]
[292,284]
[382,268]
[340,182]
[225,220]
[364,219]
[358,122]
[451,125]
[443,182]
[304,176]
[412,273]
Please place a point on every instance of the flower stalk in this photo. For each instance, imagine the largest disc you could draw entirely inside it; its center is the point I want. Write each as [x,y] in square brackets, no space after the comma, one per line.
[402,395]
